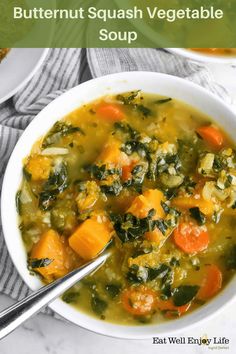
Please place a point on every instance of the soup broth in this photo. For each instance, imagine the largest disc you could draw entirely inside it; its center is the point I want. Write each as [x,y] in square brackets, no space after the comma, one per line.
[155,176]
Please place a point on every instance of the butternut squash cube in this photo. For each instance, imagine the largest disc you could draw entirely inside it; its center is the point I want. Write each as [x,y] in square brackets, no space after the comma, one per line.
[150,199]
[38,167]
[51,246]
[206,207]
[91,237]
[112,155]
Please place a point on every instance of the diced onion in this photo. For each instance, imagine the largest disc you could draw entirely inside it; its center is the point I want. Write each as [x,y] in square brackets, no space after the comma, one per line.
[55,151]
[25,196]
[206,163]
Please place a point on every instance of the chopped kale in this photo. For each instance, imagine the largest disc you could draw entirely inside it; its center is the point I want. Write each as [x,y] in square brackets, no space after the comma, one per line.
[101,172]
[165,207]
[59,130]
[113,290]
[138,175]
[138,274]
[126,129]
[170,193]
[170,211]
[161,225]
[159,272]
[162,101]
[230,258]
[188,184]
[174,262]
[98,305]
[198,215]
[135,146]
[56,184]
[164,162]
[112,189]
[166,283]
[228,181]
[128,99]
[70,296]
[218,164]
[128,227]
[146,112]
[184,294]
[18,202]
[39,262]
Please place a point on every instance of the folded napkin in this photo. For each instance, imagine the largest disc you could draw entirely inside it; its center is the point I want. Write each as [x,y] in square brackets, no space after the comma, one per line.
[63,69]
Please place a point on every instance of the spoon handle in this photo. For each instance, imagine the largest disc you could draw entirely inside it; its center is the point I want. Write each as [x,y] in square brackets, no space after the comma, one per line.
[15,315]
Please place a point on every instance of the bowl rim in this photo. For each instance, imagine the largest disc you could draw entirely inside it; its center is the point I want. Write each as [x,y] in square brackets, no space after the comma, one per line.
[41,58]
[201,57]
[65,310]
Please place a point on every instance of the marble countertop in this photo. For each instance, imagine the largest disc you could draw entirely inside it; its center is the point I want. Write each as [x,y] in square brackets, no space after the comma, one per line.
[44,334]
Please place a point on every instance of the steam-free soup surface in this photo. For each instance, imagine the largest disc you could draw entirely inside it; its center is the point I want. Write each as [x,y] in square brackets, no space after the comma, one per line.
[155,176]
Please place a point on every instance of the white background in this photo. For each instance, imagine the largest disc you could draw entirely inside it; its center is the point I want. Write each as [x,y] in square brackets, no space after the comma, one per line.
[43,334]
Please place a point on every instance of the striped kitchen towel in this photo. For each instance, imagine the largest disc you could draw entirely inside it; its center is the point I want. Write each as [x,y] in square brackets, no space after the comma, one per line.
[63,69]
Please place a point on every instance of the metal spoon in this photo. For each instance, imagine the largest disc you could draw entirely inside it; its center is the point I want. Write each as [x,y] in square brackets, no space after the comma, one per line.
[15,315]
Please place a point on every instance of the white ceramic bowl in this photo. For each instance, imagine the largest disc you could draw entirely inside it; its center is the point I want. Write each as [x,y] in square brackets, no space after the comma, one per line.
[203,57]
[149,82]
[24,63]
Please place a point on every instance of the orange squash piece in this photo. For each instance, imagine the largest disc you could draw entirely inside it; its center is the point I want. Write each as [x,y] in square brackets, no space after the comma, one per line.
[112,155]
[154,236]
[206,207]
[91,237]
[51,246]
[39,167]
[150,199]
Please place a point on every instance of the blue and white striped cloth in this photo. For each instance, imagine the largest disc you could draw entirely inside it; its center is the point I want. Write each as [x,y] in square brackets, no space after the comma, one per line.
[62,70]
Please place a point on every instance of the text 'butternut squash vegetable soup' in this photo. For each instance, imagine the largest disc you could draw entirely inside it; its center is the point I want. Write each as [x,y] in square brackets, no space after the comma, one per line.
[155,176]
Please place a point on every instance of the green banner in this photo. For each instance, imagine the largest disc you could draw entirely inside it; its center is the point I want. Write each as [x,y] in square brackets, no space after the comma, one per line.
[118,23]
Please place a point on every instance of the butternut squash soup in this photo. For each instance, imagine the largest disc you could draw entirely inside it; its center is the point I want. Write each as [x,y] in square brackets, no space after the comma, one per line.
[155,176]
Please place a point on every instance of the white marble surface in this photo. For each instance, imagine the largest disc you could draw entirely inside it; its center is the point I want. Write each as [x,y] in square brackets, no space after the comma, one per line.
[43,334]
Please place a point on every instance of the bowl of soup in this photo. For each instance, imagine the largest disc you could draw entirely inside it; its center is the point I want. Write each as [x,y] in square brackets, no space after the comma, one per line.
[147,160]
[207,55]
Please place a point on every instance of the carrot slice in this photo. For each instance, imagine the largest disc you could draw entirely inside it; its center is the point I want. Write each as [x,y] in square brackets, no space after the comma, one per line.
[169,308]
[127,172]
[211,284]
[111,112]
[191,238]
[139,301]
[211,135]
